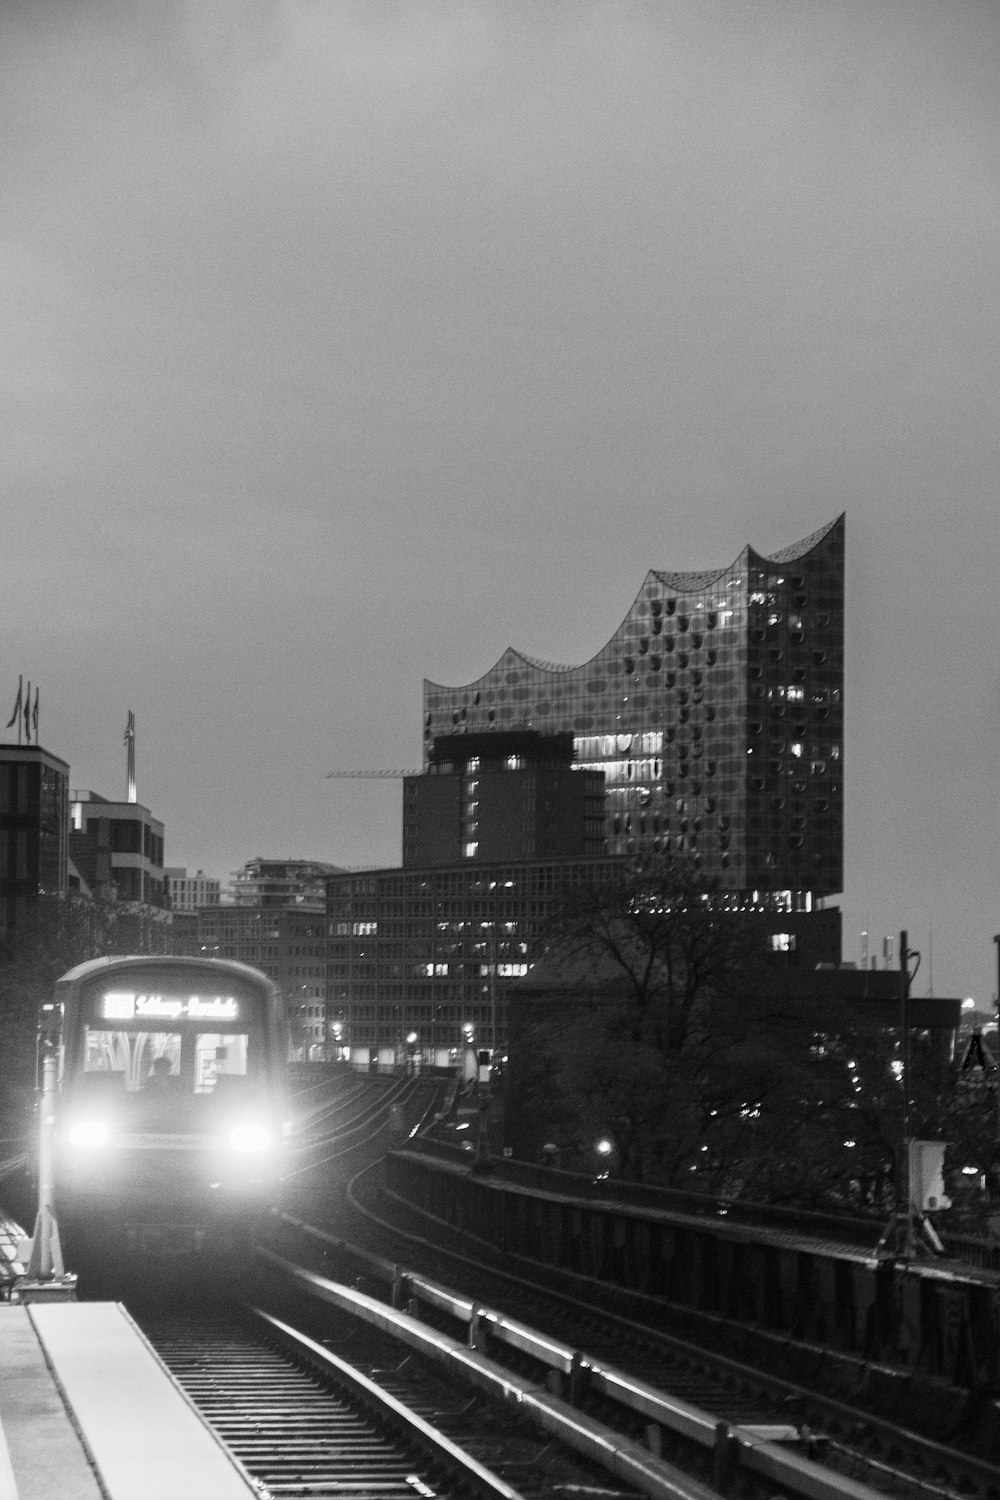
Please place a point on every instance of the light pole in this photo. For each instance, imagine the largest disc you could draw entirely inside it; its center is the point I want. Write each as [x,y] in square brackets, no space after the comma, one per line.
[905,1186]
[900,1228]
[997,942]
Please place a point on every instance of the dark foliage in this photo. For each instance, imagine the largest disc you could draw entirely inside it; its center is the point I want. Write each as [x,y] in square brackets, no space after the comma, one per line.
[666,1039]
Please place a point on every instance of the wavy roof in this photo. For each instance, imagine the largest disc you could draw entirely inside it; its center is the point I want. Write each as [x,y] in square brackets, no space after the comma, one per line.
[681,583]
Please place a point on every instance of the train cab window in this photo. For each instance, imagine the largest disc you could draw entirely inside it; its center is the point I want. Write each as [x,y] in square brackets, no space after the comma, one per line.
[163,1062]
[219,1056]
[133,1058]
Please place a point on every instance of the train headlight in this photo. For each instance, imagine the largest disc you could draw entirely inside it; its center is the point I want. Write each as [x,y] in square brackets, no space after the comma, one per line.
[89,1133]
[250,1137]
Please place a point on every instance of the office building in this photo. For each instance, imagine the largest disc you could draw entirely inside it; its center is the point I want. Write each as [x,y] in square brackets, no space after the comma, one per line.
[288,944]
[715,712]
[280,882]
[34,849]
[512,795]
[117,847]
[186,893]
[274,920]
[419,960]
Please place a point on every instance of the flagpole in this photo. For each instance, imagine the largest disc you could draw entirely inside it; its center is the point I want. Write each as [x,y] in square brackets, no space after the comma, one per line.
[130,755]
[17,708]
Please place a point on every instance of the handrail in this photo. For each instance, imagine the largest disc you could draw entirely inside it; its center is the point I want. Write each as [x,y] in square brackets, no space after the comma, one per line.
[762,1450]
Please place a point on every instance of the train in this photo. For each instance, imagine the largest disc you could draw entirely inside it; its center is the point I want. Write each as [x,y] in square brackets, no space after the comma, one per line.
[171,1121]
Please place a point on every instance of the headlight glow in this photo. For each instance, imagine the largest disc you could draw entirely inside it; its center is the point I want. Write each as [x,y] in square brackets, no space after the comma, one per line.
[250,1138]
[89,1133]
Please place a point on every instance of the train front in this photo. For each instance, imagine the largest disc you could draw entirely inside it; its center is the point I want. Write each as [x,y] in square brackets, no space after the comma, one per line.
[171,1120]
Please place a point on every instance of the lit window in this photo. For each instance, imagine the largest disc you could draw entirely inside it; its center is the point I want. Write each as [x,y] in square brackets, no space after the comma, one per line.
[471,849]
[782,942]
[796,749]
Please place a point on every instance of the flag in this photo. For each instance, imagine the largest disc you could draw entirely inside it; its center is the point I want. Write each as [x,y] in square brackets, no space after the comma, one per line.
[978,1055]
[129,728]
[27,713]
[34,716]
[17,706]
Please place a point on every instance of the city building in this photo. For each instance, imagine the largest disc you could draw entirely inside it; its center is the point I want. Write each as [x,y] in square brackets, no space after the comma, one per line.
[274,919]
[34,827]
[714,714]
[186,893]
[715,711]
[288,944]
[512,795]
[419,959]
[280,882]
[117,847]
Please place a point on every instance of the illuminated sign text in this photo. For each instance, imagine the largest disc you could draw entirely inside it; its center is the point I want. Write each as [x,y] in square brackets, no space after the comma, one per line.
[130,1005]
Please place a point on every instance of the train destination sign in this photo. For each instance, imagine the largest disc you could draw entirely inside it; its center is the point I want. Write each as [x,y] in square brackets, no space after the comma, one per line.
[132,1005]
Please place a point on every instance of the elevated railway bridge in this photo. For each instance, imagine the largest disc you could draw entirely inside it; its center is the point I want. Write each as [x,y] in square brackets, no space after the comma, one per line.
[385,1224]
[809,1286]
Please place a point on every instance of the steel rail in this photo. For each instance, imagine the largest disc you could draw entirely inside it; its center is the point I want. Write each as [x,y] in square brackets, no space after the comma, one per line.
[370,1098]
[374,1394]
[746,1447]
[883,1438]
[303,1423]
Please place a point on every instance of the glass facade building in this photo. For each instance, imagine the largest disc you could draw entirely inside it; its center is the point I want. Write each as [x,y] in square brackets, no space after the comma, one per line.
[715,711]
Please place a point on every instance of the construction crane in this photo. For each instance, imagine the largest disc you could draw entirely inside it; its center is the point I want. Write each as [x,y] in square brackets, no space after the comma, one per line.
[372,775]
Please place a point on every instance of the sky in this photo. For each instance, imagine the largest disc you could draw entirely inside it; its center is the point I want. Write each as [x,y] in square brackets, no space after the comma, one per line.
[346,344]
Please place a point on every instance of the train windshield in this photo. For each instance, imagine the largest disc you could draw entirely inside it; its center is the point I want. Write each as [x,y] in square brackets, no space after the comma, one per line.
[149,1033]
[191,1062]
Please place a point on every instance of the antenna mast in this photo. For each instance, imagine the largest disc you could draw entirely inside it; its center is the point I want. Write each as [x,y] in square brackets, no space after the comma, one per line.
[130,755]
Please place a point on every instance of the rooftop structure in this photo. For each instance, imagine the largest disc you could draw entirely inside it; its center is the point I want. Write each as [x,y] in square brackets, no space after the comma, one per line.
[117,845]
[715,711]
[503,796]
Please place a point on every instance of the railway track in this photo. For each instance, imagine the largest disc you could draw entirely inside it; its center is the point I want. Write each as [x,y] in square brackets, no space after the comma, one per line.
[301,1420]
[845,1438]
[293,1428]
[316,1396]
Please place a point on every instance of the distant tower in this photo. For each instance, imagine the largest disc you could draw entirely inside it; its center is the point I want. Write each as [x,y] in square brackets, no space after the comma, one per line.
[130,755]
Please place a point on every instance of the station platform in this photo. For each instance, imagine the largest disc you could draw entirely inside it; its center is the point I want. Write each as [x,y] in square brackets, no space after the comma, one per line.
[87,1411]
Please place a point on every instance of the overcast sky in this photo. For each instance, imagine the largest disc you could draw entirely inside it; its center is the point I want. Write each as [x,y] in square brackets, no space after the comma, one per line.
[346,344]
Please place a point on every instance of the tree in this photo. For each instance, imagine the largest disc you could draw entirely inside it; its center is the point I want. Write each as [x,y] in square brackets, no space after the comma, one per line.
[652,948]
[661,1029]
